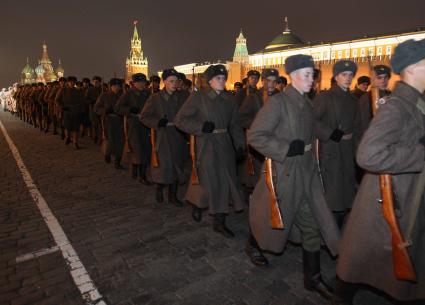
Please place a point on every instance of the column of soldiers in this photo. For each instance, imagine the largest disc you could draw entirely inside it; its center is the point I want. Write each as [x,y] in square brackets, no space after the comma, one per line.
[285,145]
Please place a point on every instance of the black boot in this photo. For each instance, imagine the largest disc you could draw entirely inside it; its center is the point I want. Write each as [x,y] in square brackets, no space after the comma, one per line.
[142,175]
[134,169]
[196,213]
[67,141]
[107,159]
[255,254]
[219,225]
[312,278]
[76,146]
[159,193]
[172,195]
[117,163]
[344,292]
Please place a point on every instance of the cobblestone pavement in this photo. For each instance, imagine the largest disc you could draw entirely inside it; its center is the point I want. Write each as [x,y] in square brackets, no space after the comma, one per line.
[135,250]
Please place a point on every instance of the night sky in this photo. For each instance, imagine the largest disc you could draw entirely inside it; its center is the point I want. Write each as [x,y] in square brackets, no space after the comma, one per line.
[93,37]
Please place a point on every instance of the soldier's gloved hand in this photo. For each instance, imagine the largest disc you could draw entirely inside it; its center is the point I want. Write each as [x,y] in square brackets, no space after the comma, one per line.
[296,148]
[162,122]
[134,110]
[208,127]
[109,110]
[240,154]
[336,135]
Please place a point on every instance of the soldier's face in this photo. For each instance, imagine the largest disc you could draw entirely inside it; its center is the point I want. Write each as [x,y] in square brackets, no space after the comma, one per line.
[381,81]
[253,81]
[302,79]
[218,82]
[139,85]
[363,86]
[344,79]
[280,86]
[170,83]
[115,88]
[70,84]
[96,83]
[270,83]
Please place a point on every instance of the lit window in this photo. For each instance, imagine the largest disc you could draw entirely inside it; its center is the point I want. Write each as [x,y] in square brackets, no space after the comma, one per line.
[347,53]
[379,51]
[371,52]
[355,53]
[333,55]
[363,52]
[388,50]
[339,54]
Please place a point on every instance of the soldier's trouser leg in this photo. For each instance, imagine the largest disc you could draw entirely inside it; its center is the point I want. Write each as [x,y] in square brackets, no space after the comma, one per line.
[310,235]
[142,174]
[159,193]
[172,194]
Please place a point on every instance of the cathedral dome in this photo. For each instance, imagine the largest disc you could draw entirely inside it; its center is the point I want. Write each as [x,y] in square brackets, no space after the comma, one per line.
[27,69]
[285,39]
[39,70]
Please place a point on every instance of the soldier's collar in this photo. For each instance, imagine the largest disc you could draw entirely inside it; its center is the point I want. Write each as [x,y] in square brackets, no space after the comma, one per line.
[213,95]
[165,94]
[410,94]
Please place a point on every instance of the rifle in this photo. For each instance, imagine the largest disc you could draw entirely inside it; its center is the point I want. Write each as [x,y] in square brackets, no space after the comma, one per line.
[154,158]
[319,168]
[402,264]
[127,147]
[194,176]
[275,216]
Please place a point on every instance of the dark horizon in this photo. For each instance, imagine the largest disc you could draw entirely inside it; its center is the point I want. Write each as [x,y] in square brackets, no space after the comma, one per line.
[94,38]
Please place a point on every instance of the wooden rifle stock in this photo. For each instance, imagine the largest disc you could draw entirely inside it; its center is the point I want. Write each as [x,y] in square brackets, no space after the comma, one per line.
[194,176]
[402,264]
[154,157]
[127,147]
[275,216]
[250,164]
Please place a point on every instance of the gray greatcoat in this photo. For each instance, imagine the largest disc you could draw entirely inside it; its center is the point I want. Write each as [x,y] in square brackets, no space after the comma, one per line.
[138,134]
[247,112]
[337,109]
[71,101]
[215,152]
[390,145]
[365,109]
[171,143]
[113,122]
[288,116]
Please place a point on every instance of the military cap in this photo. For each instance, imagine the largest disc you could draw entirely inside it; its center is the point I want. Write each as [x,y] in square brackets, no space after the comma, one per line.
[237,84]
[40,84]
[170,72]
[407,53]
[71,79]
[62,79]
[299,61]
[215,70]
[155,79]
[282,80]
[343,66]
[316,73]
[98,78]
[253,73]
[86,80]
[270,72]
[181,76]
[382,69]
[115,81]
[55,82]
[363,79]
[79,84]
[138,77]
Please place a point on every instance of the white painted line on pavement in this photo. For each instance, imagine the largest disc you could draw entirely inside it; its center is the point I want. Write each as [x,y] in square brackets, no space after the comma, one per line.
[29,256]
[78,272]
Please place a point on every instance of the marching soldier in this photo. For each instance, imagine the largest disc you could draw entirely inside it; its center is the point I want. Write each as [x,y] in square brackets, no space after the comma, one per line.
[85,115]
[363,82]
[42,99]
[393,144]
[130,104]
[283,131]
[281,83]
[56,109]
[247,112]
[155,82]
[71,101]
[337,127]
[252,79]
[170,143]
[381,80]
[91,97]
[237,88]
[112,122]
[212,117]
